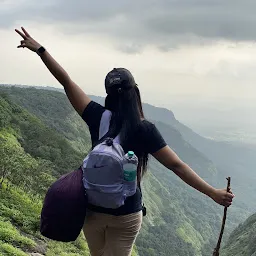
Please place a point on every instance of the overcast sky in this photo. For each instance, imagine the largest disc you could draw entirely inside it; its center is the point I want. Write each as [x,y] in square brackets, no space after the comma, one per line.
[203,48]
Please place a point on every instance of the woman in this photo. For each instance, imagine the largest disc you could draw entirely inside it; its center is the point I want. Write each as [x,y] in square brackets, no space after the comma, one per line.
[113,231]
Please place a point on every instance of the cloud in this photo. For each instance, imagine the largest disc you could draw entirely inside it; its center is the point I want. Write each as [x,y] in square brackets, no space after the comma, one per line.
[136,24]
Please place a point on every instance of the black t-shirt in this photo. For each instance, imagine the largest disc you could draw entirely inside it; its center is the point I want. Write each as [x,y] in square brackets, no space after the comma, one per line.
[146,139]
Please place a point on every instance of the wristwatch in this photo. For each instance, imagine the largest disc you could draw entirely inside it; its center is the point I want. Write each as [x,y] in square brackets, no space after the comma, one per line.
[40,50]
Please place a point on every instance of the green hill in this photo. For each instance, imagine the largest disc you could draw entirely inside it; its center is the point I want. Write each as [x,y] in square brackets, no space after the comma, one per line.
[242,241]
[230,158]
[42,138]
[30,161]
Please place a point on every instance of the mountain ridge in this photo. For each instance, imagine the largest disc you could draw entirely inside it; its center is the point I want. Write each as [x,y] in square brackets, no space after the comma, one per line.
[159,187]
[54,110]
[242,240]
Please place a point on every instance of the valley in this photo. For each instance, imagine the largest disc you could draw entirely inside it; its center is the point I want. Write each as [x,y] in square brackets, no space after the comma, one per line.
[42,138]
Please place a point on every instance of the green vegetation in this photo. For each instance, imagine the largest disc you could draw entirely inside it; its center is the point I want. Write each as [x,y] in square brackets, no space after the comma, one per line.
[242,241]
[9,250]
[41,137]
[55,111]
[19,227]
[33,155]
[10,234]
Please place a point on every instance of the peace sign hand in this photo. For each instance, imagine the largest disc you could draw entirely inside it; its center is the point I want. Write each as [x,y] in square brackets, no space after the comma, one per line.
[28,41]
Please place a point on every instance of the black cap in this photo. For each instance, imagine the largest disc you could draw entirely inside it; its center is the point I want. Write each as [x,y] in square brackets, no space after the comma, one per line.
[119,80]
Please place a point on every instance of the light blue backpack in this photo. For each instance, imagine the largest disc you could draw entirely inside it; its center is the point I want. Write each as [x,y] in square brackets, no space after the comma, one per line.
[103,175]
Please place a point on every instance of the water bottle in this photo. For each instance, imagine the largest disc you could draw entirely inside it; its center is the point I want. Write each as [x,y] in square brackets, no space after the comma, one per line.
[130,166]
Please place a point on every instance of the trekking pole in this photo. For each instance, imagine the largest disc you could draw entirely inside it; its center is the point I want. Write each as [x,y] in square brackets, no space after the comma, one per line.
[217,248]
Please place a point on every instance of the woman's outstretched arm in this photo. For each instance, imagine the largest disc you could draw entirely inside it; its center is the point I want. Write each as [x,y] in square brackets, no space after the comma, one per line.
[75,94]
[169,159]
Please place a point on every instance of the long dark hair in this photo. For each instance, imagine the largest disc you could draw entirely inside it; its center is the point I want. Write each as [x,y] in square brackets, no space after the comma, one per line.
[127,117]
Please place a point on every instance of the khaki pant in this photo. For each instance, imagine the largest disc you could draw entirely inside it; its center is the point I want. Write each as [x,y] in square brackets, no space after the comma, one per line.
[109,235]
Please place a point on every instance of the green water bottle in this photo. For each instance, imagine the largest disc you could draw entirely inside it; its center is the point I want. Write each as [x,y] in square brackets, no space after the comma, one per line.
[130,166]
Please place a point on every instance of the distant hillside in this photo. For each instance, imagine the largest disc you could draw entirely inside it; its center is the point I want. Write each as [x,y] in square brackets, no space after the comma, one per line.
[231,159]
[180,220]
[242,241]
[47,130]
[32,156]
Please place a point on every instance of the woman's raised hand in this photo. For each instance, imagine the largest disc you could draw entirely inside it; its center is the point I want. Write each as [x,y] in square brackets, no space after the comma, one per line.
[27,41]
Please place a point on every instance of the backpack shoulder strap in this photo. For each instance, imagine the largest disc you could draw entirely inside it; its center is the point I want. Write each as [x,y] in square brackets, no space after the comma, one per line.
[104,123]
[104,126]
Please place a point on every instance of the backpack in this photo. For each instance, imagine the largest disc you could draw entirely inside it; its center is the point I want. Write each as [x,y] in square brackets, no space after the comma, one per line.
[64,208]
[103,175]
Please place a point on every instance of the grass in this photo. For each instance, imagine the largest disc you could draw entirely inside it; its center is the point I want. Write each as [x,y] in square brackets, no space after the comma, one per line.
[9,250]
[20,209]
[10,234]
[19,227]
[77,248]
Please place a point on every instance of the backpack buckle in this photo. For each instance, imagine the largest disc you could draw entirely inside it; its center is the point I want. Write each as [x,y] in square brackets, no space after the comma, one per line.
[144,210]
[109,142]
